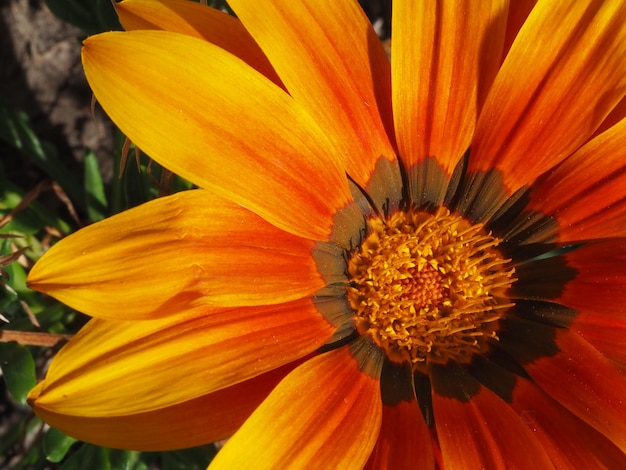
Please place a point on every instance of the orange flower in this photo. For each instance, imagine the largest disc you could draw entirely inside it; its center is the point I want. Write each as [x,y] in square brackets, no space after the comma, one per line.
[392,265]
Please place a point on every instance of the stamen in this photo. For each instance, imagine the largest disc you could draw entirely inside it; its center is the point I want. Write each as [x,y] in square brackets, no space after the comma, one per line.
[428,287]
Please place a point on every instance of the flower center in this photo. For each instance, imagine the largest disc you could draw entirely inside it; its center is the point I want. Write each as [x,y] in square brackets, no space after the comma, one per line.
[428,287]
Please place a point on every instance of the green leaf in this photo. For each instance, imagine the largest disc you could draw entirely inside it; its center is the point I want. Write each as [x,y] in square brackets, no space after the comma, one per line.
[18,368]
[94,189]
[89,457]
[135,186]
[56,444]
[16,275]
[124,459]
[195,458]
[32,219]
[15,129]
[33,457]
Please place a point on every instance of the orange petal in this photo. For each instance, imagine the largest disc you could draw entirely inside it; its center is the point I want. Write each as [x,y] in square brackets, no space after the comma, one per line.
[326,414]
[586,383]
[480,430]
[207,116]
[598,287]
[586,193]
[205,419]
[404,440]
[598,294]
[518,13]
[563,75]
[157,259]
[121,368]
[195,19]
[569,442]
[445,56]
[618,114]
[331,61]
[604,333]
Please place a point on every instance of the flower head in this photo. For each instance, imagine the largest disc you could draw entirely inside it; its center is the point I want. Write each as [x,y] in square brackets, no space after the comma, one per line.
[405,264]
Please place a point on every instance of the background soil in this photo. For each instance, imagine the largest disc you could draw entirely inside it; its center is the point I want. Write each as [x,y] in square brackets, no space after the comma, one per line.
[41,74]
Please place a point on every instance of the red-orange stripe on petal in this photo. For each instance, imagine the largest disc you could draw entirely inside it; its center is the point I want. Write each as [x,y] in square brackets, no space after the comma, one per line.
[600,279]
[518,13]
[570,443]
[585,382]
[586,193]
[618,114]
[445,57]
[195,19]
[209,117]
[325,414]
[199,421]
[331,61]
[605,333]
[157,259]
[597,293]
[482,431]
[563,75]
[404,440]
[120,368]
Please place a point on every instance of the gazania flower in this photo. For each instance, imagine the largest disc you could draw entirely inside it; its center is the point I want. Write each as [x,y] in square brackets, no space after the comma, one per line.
[412,263]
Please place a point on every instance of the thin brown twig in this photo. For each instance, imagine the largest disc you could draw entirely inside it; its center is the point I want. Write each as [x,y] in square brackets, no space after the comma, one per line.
[32,338]
[34,193]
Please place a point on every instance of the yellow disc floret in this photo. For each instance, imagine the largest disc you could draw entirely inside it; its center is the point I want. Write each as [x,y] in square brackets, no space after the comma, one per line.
[428,287]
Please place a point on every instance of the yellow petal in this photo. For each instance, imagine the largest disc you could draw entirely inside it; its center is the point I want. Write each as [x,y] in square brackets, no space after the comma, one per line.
[331,61]
[205,419]
[564,74]
[209,117]
[161,257]
[126,368]
[195,19]
[445,56]
[325,414]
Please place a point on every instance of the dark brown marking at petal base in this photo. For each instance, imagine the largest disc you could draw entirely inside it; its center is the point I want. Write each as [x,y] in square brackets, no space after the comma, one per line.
[423,393]
[333,304]
[331,262]
[369,357]
[524,253]
[452,191]
[396,383]
[428,183]
[548,313]
[494,377]
[531,227]
[386,187]
[453,381]
[542,279]
[526,340]
[348,227]
[482,196]
[506,362]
